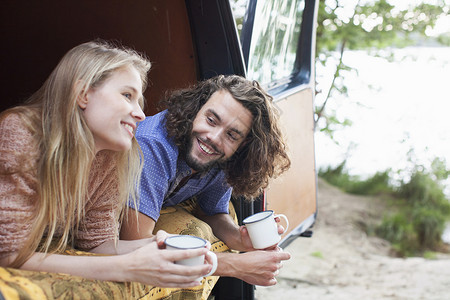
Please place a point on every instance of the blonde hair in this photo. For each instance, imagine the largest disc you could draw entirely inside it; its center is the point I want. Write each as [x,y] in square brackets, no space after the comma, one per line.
[66,144]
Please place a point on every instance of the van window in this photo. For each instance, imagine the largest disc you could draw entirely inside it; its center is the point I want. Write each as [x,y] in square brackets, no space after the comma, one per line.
[273,39]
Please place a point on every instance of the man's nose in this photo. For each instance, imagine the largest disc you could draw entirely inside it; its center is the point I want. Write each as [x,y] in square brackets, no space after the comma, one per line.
[216,135]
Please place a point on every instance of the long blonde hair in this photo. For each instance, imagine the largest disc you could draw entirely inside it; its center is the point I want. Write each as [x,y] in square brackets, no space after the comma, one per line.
[66,144]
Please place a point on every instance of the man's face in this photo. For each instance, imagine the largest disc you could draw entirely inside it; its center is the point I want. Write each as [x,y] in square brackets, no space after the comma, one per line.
[219,128]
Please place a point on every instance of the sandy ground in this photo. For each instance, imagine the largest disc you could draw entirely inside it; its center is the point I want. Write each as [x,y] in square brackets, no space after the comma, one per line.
[341,262]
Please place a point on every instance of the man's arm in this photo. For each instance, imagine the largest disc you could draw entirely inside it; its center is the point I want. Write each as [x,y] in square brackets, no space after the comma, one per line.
[134,229]
[256,267]
[226,230]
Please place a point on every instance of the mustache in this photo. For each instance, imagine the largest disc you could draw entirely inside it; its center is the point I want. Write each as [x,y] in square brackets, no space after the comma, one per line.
[210,144]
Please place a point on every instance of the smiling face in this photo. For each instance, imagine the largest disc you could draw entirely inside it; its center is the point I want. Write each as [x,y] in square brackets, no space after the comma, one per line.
[219,128]
[112,109]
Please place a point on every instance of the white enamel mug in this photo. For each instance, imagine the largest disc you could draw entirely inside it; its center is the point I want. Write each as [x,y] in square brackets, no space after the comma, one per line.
[263,230]
[184,242]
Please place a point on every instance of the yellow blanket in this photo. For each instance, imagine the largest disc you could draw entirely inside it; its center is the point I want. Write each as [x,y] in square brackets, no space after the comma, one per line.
[22,284]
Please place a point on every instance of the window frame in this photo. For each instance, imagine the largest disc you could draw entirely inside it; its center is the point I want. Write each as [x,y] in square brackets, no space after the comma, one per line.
[302,69]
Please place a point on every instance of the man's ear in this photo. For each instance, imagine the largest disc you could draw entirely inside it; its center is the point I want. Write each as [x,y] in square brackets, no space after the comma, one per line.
[242,146]
[245,142]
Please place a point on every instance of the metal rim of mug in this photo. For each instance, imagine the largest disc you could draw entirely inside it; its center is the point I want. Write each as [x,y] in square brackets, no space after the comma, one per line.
[167,242]
[265,211]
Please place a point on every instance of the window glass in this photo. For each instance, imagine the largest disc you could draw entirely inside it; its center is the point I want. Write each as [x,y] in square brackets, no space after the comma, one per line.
[239,7]
[275,35]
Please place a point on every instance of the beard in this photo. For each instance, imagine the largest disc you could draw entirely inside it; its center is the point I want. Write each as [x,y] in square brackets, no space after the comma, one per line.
[197,165]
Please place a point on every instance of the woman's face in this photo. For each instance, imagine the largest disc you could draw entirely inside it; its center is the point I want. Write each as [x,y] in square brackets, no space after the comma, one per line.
[112,109]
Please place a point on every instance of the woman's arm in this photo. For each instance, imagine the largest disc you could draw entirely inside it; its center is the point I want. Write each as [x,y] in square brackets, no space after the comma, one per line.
[121,247]
[147,264]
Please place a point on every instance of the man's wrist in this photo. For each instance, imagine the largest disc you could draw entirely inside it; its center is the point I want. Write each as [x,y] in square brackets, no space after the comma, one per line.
[227,264]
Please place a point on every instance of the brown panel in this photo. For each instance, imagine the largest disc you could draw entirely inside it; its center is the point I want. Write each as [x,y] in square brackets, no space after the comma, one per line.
[294,192]
[35,34]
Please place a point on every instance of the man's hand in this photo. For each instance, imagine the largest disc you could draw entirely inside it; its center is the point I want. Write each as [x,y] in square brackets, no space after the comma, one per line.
[255,267]
[247,243]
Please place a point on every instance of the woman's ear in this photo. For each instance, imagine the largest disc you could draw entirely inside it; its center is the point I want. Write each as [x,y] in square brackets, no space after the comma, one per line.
[82,98]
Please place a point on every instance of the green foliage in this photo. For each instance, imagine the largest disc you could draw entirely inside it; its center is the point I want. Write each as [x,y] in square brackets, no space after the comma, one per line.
[424,189]
[317,254]
[375,185]
[400,232]
[372,25]
[421,207]
[429,255]
[332,123]
[438,168]
[444,39]
[429,224]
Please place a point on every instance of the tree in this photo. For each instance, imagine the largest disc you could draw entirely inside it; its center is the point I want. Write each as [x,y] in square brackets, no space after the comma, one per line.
[369,25]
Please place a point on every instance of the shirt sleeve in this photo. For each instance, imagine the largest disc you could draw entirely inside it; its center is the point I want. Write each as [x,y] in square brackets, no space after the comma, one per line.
[159,167]
[215,199]
[18,184]
[101,220]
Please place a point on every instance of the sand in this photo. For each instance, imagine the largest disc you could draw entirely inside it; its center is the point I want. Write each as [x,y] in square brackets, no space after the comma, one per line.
[341,262]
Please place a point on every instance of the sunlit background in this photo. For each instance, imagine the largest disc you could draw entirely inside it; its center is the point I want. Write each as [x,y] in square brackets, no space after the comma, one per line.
[399,112]
[398,107]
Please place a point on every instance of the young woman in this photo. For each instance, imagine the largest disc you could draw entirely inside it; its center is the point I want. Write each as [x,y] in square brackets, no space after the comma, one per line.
[69,163]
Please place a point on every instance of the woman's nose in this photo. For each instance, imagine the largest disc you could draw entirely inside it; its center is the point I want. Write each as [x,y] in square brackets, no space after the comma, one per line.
[137,113]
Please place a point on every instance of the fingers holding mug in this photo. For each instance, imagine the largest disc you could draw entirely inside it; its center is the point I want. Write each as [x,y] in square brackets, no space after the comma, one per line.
[281,229]
[263,229]
[180,242]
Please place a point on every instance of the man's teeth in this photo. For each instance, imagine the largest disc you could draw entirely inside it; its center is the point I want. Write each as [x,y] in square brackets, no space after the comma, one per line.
[206,149]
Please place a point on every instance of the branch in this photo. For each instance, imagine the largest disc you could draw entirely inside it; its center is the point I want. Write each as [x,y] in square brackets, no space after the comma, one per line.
[336,73]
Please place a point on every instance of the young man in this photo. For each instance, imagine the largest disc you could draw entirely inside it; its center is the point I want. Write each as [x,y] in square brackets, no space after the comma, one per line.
[217,138]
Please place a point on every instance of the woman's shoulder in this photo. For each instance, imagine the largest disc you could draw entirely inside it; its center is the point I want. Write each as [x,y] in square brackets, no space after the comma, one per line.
[17,143]
[13,129]
[10,119]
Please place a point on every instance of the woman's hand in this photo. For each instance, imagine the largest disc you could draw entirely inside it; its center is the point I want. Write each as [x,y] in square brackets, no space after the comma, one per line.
[154,265]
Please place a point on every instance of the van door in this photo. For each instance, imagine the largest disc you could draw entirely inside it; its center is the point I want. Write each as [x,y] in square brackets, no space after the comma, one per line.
[278,40]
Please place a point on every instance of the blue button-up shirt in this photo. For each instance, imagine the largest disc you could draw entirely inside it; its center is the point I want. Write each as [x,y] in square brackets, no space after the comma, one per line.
[163,170]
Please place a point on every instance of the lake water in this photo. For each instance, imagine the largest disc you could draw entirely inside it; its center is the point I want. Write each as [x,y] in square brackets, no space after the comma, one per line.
[406,107]
[395,107]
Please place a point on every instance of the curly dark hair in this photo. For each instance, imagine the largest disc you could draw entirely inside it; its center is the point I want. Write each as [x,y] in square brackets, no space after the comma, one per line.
[263,153]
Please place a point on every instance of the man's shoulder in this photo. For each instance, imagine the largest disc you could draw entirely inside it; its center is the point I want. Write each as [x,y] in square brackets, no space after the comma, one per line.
[152,125]
[152,134]
[153,130]
[214,175]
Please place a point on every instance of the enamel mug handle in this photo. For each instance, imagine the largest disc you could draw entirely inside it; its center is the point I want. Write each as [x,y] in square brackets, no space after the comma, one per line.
[213,258]
[285,219]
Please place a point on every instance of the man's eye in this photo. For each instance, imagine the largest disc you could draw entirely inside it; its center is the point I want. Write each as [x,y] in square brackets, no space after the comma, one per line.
[210,120]
[233,136]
